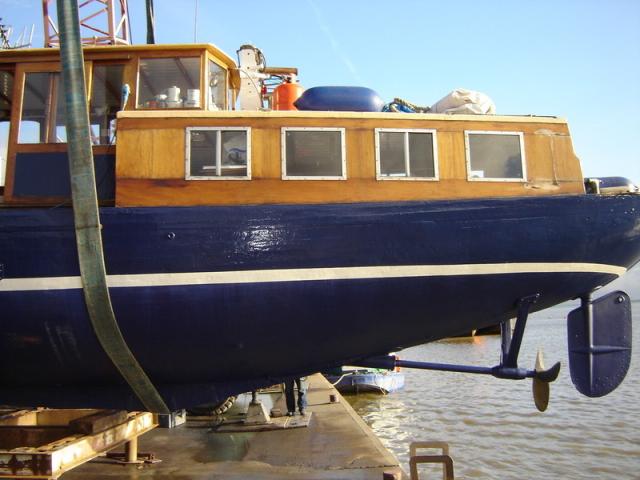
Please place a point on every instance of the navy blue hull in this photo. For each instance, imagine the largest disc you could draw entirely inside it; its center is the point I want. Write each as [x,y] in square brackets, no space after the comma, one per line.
[201,341]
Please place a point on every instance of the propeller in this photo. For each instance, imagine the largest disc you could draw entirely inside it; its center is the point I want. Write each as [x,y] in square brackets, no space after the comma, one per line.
[541,380]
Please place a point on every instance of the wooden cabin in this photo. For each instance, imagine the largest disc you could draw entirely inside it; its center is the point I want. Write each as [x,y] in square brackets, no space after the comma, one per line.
[178,140]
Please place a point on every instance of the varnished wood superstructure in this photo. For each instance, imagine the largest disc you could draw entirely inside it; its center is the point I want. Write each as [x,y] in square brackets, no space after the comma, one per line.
[150,156]
[151,159]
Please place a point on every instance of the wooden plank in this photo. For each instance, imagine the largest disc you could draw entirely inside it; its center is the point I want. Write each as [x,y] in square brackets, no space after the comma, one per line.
[151,154]
[204,86]
[525,119]
[52,55]
[98,421]
[265,153]
[168,154]
[48,452]
[150,192]
[12,437]
[130,77]
[567,163]
[173,118]
[120,51]
[44,417]
[361,154]
[450,163]
[133,156]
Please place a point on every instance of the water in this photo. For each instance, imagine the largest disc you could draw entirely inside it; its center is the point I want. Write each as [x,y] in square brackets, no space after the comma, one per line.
[493,427]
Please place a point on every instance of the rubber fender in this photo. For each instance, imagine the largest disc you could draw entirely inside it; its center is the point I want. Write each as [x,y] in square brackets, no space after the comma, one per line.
[341,99]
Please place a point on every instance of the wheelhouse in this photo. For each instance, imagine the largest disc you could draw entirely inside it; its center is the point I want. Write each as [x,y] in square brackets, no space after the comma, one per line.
[33,160]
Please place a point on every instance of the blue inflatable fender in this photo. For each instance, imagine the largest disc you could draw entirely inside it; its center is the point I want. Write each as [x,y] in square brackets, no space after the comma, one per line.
[341,99]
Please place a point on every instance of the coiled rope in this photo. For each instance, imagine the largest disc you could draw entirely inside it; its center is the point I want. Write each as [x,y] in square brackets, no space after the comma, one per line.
[403,106]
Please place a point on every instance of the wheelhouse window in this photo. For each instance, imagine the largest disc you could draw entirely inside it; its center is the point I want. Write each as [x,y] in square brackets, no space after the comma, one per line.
[495,156]
[406,154]
[214,153]
[43,110]
[217,86]
[106,94]
[6,101]
[313,154]
[169,82]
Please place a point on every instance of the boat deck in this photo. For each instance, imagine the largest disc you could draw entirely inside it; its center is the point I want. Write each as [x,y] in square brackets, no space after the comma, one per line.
[337,444]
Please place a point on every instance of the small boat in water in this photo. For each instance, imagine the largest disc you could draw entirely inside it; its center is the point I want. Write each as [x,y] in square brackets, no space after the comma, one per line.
[361,380]
[238,238]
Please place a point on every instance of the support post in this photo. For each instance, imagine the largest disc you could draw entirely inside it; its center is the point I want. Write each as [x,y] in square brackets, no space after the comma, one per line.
[131,450]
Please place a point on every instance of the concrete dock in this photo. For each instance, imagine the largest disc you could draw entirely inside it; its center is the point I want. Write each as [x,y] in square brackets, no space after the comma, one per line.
[336,444]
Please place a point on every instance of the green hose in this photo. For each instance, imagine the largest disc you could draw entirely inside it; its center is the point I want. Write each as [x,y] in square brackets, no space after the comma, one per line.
[86,215]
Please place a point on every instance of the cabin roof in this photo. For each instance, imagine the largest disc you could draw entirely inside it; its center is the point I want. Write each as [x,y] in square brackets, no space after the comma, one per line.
[336,115]
[25,54]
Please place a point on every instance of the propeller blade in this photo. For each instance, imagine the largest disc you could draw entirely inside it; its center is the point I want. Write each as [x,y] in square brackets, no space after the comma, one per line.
[541,393]
[541,381]
[539,361]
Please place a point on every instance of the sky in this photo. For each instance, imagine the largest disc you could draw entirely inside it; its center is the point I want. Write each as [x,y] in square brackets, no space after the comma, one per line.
[577,59]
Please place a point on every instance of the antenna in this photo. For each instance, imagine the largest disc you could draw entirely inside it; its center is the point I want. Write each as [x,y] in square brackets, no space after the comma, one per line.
[5,33]
[102,22]
[5,38]
[195,24]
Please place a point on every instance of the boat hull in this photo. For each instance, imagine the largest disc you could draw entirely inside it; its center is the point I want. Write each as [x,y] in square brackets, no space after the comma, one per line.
[215,301]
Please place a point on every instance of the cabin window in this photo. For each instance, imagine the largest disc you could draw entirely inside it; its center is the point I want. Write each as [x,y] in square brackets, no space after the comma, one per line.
[106,94]
[313,154]
[217,86]
[6,101]
[43,110]
[169,82]
[406,154]
[218,153]
[495,156]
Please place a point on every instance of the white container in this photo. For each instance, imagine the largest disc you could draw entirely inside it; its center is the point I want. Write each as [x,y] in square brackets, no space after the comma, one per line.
[193,98]
[193,95]
[173,94]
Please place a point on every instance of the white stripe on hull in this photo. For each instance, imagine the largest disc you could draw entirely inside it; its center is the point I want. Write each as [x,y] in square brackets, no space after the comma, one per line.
[306,275]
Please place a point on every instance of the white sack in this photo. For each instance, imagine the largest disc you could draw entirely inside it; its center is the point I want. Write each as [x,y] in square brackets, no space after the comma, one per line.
[462,100]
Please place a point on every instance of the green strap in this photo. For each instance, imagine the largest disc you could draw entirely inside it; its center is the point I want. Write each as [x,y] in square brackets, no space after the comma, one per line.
[86,216]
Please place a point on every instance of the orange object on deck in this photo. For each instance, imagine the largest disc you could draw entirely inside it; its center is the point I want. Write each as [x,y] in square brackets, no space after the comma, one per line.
[285,94]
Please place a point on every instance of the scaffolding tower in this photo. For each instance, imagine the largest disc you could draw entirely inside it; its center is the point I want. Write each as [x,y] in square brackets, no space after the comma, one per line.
[102,22]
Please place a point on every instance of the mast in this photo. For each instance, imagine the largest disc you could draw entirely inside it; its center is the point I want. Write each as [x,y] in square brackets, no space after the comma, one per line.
[151,23]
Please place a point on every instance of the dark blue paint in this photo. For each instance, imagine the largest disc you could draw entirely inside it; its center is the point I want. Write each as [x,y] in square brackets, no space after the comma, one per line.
[52,179]
[599,335]
[186,239]
[201,343]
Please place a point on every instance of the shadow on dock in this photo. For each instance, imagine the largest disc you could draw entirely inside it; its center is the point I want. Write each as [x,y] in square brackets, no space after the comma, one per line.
[337,444]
